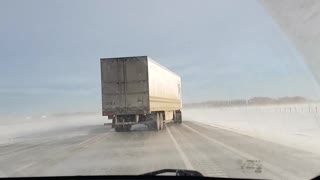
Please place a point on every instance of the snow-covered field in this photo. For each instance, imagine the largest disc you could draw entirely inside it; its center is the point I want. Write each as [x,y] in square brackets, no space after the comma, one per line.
[293,125]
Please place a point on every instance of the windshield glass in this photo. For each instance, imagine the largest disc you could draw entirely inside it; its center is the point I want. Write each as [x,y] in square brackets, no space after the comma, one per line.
[227,88]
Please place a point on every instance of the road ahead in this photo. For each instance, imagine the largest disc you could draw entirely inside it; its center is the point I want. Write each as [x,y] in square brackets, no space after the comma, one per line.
[91,150]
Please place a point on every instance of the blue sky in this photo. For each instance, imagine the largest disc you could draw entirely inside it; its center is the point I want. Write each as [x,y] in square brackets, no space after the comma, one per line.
[50,50]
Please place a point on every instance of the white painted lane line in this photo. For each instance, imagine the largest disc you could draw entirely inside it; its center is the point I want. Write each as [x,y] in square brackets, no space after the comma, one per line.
[95,139]
[101,137]
[24,167]
[207,167]
[88,140]
[181,153]
[244,155]
[275,170]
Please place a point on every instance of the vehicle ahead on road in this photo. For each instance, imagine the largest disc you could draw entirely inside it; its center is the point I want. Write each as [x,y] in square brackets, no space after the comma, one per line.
[139,90]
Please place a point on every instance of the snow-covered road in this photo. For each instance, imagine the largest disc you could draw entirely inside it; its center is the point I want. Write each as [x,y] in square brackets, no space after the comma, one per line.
[251,142]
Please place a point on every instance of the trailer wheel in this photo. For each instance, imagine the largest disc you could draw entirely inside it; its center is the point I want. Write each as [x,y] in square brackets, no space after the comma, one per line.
[178,117]
[152,121]
[161,121]
[152,126]
[118,128]
[158,122]
[155,123]
[127,127]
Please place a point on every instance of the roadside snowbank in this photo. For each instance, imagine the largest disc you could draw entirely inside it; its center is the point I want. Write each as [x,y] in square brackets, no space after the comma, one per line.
[292,125]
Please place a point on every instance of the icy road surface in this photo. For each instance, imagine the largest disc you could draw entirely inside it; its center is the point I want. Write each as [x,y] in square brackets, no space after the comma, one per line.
[97,149]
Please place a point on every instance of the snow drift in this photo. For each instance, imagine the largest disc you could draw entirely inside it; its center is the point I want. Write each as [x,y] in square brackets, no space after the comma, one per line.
[13,128]
[297,126]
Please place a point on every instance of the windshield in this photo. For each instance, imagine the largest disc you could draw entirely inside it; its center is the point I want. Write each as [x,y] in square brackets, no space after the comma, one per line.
[227,88]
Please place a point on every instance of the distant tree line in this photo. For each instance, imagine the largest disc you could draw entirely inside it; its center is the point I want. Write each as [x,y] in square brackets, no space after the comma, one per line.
[251,101]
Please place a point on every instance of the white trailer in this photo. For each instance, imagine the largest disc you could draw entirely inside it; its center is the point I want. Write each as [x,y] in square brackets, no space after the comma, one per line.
[139,90]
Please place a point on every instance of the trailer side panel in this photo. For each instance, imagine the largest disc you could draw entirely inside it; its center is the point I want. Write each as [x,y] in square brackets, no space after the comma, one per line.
[164,88]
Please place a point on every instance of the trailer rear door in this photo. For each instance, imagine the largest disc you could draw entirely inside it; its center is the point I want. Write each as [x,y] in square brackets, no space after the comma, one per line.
[124,85]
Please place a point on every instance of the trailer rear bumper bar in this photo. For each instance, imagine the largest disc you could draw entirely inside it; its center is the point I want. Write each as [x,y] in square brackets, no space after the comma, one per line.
[126,123]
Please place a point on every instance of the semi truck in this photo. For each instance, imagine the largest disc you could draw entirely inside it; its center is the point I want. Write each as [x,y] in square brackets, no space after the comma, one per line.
[138,90]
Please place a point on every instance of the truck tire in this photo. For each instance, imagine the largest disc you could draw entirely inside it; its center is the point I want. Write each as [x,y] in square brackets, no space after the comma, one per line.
[158,122]
[178,117]
[118,128]
[127,128]
[161,121]
[122,128]
[152,121]
[152,126]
